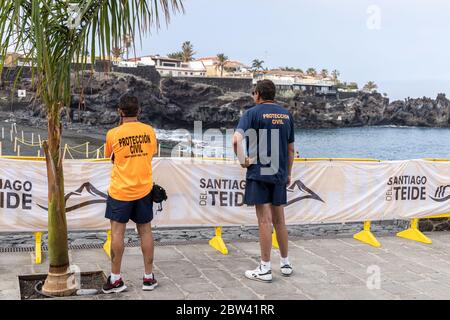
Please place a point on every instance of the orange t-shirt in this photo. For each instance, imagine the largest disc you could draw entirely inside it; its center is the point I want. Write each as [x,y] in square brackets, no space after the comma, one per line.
[133,145]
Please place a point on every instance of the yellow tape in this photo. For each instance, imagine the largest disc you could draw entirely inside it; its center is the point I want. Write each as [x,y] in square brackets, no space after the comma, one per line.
[29,144]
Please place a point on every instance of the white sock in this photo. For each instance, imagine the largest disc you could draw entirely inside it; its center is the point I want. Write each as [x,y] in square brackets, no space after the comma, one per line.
[284,261]
[148,276]
[265,266]
[115,277]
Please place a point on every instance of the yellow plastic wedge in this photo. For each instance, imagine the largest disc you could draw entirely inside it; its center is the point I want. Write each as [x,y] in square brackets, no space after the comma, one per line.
[218,243]
[366,236]
[107,245]
[275,244]
[38,247]
[414,234]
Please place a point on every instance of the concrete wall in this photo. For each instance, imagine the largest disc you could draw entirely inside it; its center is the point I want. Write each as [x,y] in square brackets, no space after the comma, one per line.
[226,84]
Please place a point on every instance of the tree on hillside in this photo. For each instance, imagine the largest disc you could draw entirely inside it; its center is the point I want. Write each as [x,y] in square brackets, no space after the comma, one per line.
[324,73]
[127,41]
[291,69]
[257,65]
[311,72]
[117,53]
[352,86]
[187,50]
[370,86]
[222,59]
[54,35]
[176,55]
[335,76]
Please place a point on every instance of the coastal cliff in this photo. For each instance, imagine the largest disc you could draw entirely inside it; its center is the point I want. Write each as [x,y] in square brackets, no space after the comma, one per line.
[174,103]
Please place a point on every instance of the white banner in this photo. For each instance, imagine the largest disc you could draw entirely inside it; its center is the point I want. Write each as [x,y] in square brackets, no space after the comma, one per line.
[210,193]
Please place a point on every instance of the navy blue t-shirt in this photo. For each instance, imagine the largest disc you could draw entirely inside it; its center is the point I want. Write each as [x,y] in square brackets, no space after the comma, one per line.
[269,129]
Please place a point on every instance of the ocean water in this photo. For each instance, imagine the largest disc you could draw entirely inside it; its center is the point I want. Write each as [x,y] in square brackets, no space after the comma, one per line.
[384,143]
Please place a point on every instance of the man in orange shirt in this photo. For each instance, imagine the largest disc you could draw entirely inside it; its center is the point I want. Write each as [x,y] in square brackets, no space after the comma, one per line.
[131,146]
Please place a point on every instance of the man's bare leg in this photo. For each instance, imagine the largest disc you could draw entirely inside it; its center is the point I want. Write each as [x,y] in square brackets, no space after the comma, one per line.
[280,227]
[147,246]
[264,215]
[117,246]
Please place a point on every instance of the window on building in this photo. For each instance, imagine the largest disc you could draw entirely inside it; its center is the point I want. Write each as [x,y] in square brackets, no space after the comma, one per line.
[169,64]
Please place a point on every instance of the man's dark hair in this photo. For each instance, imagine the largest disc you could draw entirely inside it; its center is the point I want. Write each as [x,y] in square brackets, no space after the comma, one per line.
[266,89]
[129,105]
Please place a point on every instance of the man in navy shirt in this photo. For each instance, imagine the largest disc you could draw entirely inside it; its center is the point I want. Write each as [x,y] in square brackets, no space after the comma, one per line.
[268,132]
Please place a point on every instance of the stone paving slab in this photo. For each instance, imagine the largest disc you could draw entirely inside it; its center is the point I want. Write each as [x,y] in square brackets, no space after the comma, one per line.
[324,269]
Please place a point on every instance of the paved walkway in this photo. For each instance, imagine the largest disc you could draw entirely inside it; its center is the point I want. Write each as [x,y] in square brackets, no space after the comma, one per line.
[324,269]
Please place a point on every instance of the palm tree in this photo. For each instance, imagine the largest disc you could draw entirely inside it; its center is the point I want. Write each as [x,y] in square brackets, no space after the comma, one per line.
[370,86]
[127,41]
[116,52]
[324,73]
[257,65]
[311,72]
[335,75]
[221,61]
[188,52]
[176,55]
[52,36]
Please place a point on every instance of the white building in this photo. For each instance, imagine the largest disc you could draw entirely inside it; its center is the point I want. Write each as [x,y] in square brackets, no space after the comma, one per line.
[171,67]
[297,81]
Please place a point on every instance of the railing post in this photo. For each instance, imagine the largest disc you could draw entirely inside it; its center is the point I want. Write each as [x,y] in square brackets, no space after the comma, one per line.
[38,247]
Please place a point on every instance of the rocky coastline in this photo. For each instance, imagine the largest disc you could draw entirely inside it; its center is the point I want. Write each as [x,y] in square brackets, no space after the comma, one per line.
[172,104]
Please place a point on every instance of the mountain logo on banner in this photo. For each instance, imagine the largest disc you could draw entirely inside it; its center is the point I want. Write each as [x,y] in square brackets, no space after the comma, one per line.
[442,194]
[301,192]
[97,197]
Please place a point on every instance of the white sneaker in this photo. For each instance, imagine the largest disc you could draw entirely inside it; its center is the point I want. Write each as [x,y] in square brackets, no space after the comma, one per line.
[259,275]
[286,270]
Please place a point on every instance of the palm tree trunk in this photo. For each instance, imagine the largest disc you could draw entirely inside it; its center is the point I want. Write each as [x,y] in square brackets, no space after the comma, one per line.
[59,281]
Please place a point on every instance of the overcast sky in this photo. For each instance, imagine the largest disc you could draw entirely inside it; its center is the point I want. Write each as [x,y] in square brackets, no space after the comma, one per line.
[402,45]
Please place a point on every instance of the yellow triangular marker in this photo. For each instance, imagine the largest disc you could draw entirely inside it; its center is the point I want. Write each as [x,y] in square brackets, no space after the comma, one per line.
[107,245]
[413,233]
[275,244]
[366,236]
[38,247]
[218,243]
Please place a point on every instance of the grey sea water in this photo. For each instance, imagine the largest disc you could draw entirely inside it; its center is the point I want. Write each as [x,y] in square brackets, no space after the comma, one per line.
[384,143]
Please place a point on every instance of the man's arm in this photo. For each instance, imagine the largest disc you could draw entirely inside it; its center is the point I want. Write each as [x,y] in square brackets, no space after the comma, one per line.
[108,146]
[291,155]
[239,149]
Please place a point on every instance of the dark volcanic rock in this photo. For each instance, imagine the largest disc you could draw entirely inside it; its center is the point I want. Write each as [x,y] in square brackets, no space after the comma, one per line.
[175,103]
[320,112]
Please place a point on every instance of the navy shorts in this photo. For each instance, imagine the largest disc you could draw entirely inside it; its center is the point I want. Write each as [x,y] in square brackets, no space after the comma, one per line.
[139,211]
[258,192]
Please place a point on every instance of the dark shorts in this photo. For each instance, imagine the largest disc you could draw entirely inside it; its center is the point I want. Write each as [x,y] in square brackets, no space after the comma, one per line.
[139,211]
[258,192]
